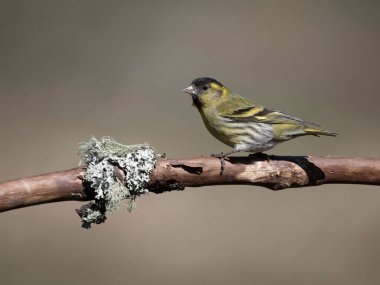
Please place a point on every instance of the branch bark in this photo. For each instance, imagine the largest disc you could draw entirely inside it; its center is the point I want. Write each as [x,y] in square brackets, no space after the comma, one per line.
[278,172]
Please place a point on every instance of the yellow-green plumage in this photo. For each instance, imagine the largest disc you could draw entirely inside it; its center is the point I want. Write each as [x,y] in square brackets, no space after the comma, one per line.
[242,124]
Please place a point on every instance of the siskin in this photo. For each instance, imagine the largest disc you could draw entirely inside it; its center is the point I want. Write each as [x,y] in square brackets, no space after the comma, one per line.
[241,123]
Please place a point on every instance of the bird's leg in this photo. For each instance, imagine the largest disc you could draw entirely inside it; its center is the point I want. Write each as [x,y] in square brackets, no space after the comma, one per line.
[259,155]
[222,156]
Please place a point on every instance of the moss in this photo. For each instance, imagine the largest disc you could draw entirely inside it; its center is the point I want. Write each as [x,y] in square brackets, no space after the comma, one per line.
[101,157]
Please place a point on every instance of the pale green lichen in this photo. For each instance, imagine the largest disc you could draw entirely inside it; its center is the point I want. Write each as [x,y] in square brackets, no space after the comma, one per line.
[101,157]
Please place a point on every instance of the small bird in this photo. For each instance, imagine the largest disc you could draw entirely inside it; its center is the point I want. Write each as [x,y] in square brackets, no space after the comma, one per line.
[243,124]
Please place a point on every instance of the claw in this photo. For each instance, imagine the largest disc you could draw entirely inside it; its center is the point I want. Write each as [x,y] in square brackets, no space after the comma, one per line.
[218,155]
[221,156]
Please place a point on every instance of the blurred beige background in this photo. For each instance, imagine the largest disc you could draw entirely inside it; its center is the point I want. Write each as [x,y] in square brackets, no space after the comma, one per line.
[73,69]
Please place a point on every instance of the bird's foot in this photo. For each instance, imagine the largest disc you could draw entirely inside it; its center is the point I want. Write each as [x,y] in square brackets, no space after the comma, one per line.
[221,156]
[218,155]
[259,156]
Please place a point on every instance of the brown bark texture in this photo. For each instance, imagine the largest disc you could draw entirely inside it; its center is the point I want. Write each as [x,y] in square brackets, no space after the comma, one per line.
[273,172]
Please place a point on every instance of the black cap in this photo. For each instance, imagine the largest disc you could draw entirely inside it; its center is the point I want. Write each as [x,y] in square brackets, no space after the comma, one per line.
[199,82]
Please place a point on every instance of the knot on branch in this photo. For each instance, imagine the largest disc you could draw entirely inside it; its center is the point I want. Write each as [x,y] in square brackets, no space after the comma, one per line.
[105,159]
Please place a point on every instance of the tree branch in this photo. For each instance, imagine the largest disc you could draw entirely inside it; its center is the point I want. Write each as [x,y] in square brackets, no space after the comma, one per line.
[278,172]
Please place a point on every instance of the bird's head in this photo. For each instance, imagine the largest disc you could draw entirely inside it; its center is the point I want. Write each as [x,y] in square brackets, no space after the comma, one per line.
[206,91]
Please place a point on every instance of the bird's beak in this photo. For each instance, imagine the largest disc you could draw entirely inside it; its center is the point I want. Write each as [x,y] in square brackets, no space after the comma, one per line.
[190,90]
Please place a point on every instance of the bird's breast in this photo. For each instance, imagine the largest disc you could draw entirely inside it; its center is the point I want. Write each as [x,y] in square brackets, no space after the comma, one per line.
[216,125]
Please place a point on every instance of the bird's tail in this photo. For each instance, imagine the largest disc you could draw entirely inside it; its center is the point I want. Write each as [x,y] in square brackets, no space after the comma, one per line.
[319,132]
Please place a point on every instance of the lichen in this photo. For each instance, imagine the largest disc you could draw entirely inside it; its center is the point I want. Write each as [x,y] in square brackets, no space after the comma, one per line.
[101,157]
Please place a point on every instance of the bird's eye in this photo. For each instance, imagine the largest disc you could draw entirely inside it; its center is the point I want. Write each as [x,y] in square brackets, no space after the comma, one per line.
[205,87]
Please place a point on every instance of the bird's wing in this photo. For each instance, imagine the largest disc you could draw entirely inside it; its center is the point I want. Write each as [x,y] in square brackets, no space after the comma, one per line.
[243,110]
[277,117]
[238,108]
[285,127]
